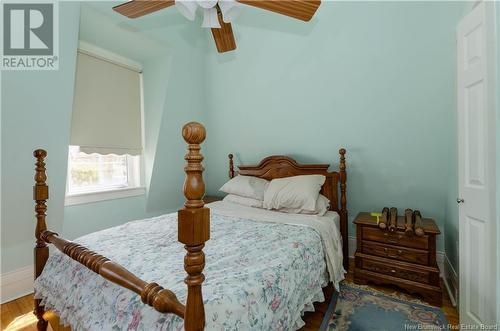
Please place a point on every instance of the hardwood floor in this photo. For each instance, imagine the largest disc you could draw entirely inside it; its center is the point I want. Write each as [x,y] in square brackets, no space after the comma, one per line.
[17,315]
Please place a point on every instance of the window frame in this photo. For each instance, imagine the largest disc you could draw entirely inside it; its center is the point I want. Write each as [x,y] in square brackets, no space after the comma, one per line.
[134,164]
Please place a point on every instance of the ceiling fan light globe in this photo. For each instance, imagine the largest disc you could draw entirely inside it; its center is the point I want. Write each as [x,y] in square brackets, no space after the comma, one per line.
[230,10]
[187,8]
[210,18]
[207,4]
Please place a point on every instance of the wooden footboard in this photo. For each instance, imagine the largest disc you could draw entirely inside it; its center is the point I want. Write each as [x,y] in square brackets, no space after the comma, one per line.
[193,232]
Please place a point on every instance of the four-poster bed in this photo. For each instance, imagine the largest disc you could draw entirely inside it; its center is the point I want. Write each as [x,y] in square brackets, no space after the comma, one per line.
[193,230]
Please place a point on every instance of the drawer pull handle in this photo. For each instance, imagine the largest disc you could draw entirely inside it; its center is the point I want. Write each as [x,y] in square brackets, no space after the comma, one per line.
[398,253]
[393,271]
[386,234]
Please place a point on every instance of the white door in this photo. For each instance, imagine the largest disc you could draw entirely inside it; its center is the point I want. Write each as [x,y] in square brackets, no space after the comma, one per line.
[476,168]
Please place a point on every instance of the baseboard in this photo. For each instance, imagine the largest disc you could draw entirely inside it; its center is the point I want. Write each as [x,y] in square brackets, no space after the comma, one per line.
[16,283]
[451,282]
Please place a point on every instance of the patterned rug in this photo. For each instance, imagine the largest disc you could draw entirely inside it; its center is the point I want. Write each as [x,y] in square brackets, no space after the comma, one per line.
[359,308]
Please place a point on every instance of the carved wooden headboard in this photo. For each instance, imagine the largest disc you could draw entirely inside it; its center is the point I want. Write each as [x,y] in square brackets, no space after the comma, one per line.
[334,188]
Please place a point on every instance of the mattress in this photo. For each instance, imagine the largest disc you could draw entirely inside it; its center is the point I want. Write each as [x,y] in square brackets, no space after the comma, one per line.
[263,270]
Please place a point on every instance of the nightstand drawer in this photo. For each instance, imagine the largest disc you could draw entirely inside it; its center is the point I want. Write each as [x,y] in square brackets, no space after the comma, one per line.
[394,252]
[413,274]
[395,238]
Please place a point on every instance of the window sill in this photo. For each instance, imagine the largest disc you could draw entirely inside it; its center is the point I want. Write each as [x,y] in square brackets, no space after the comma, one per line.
[82,198]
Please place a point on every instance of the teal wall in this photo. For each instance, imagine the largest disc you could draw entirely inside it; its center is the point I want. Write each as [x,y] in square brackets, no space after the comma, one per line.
[36,112]
[377,78]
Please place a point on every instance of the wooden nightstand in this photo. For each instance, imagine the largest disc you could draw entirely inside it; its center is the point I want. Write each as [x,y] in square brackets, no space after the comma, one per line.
[212,198]
[384,257]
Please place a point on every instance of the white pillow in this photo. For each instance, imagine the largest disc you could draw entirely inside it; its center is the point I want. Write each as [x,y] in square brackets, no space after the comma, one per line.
[243,200]
[297,192]
[322,206]
[246,186]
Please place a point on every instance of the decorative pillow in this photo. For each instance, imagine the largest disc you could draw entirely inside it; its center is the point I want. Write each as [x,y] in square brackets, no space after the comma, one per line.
[297,192]
[322,206]
[243,200]
[246,186]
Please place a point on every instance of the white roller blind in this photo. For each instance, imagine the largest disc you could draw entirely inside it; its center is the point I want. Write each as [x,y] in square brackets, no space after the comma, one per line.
[107,107]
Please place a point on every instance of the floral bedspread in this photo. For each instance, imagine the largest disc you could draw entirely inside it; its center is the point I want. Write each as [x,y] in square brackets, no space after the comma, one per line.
[259,276]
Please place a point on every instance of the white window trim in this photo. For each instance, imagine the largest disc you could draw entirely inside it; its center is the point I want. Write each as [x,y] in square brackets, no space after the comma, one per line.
[138,187]
[108,56]
[82,198]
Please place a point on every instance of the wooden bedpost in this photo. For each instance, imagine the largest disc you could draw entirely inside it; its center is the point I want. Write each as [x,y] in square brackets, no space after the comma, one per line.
[194,226]
[231,166]
[343,207]
[41,251]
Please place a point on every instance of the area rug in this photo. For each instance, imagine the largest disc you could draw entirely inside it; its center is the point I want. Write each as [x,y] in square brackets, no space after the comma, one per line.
[359,308]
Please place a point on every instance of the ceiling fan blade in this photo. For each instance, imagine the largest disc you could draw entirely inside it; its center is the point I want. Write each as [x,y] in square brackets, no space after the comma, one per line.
[224,37]
[138,8]
[300,9]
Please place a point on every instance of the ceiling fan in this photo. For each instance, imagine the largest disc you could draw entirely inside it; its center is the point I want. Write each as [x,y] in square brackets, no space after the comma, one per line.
[219,13]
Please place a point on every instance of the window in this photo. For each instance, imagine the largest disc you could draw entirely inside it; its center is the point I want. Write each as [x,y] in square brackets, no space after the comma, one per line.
[96,173]
[104,159]
[97,177]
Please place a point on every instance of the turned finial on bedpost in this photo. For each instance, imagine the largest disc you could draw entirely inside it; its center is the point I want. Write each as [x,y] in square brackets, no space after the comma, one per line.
[343,205]
[41,251]
[194,226]
[231,166]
